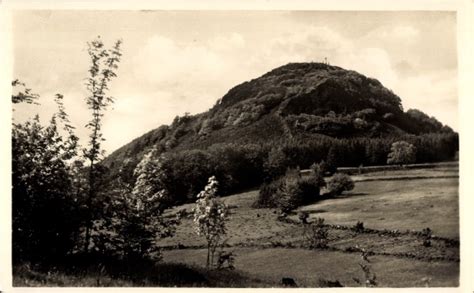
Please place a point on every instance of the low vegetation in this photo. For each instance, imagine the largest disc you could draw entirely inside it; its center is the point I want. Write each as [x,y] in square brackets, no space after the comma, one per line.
[316,234]
[340,183]
[120,274]
[290,191]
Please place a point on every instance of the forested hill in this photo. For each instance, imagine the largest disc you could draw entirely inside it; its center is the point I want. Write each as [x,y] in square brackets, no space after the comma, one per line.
[300,103]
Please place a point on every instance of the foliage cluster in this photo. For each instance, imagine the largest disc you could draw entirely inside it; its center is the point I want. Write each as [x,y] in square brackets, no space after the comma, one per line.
[290,191]
[210,216]
[402,152]
[339,183]
[316,234]
[133,219]
[181,175]
[43,182]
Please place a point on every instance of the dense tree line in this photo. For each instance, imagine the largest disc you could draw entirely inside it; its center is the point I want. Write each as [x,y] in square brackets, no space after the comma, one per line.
[182,174]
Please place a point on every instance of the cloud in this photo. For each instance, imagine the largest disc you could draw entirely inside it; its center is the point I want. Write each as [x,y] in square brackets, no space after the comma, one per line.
[176,77]
[433,93]
[163,61]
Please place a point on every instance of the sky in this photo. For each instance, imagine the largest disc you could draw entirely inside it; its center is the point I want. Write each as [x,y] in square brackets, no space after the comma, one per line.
[184,61]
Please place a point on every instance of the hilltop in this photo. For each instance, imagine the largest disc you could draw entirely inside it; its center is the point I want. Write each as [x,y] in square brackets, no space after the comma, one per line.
[295,101]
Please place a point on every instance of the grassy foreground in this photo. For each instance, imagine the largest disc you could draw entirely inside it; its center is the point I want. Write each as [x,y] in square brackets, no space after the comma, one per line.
[267,249]
[137,275]
[308,267]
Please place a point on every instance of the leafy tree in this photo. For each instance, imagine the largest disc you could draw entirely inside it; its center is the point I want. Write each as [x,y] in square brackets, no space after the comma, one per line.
[318,171]
[182,175]
[104,63]
[240,165]
[210,216]
[290,191]
[42,182]
[402,152]
[276,163]
[137,219]
[340,183]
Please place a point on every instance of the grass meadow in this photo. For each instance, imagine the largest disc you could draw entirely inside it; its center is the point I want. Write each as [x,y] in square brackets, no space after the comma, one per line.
[394,208]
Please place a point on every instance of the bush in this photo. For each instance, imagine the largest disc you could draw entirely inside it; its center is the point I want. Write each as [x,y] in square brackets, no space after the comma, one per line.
[316,235]
[340,183]
[310,188]
[358,227]
[267,195]
[289,191]
[225,260]
[303,216]
[427,233]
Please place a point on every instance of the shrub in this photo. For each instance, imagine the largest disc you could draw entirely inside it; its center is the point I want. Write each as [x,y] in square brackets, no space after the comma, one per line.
[316,234]
[225,260]
[426,234]
[340,183]
[303,216]
[289,191]
[267,195]
[320,169]
[358,227]
[310,188]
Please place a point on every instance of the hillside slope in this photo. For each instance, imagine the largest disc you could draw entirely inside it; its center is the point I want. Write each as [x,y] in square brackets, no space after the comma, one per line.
[304,101]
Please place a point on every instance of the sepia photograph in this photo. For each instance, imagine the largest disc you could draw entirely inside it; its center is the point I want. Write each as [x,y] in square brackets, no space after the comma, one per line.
[234,148]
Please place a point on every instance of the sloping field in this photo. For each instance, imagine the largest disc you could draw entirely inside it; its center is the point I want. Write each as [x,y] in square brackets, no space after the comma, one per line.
[396,204]
[393,212]
[306,267]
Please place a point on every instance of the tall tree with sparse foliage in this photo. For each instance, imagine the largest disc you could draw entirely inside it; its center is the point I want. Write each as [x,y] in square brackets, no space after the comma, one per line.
[104,64]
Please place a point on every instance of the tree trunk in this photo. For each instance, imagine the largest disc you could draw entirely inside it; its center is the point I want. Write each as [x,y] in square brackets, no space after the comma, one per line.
[89,208]
[208,254]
